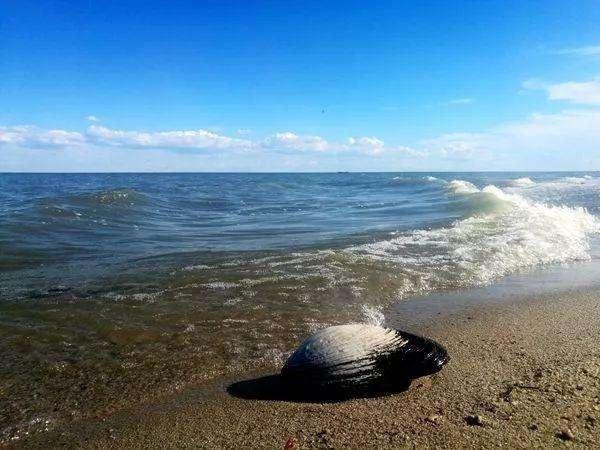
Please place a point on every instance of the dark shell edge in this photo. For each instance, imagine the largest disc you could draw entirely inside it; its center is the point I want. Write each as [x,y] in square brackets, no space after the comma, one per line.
[391,372]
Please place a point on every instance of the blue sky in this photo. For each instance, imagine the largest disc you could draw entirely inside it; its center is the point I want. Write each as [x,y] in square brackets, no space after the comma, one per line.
[299,86]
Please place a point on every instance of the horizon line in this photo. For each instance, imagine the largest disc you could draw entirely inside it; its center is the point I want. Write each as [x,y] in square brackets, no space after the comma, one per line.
[284,172]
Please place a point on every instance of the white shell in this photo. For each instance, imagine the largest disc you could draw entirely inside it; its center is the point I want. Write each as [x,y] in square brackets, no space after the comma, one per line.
[359,355]
[349,349]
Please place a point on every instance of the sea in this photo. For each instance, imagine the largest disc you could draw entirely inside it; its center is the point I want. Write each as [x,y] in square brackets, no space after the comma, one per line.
[117,289]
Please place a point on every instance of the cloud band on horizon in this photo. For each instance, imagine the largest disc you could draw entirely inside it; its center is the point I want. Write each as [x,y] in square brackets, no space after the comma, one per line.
[543,135]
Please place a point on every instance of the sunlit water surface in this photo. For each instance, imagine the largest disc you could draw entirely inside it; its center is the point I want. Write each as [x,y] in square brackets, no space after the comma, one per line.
[117,288]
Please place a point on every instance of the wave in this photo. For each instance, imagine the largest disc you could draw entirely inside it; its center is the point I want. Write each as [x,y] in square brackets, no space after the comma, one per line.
[77,206]
[569,182]
[58,212]
[414,181]
[522,182]
[578,190]
[97,206]
[476,233]
[500,233]
[462,187]
[578,180]
[112,197]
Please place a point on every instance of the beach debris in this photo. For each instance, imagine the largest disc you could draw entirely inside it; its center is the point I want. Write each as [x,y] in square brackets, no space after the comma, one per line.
[565,435]
[434,418]
[475,420]
[358,359]
[289,443]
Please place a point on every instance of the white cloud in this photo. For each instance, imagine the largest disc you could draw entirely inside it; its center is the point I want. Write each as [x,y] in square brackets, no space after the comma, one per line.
[564,132]
[584,93]
[190,139]
[97,136]
[92,118]
[567,130]
[33,137]
[456,145]
[368,145]
[590,50]
[289,140]
[541,140]
[458,101]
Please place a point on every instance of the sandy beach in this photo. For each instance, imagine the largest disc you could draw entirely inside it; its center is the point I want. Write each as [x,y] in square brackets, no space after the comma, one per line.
[525,372]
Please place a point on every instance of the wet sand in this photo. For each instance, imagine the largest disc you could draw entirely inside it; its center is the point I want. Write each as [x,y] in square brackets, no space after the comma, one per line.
[524,372]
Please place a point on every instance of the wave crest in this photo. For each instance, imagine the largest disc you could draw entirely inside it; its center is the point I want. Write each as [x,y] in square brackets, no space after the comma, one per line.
[522,182]
[504,233]
[462,187]
[112,197]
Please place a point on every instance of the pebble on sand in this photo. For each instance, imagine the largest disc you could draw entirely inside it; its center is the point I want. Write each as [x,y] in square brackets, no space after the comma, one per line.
[434,418]
[565,435]
[475,419]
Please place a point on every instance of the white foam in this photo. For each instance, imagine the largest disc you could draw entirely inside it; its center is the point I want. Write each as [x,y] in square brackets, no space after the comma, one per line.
[522,182]
[373,315]
[462,187]
[503,233]
[220,285]
[555,189]
[576,180]
[195,267]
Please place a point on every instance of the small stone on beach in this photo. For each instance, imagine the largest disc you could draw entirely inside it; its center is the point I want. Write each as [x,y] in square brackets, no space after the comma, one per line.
[475,419]
[565,435]
[434,418]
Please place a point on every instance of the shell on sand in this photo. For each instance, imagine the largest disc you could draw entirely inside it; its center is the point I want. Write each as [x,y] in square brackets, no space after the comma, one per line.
[360,356]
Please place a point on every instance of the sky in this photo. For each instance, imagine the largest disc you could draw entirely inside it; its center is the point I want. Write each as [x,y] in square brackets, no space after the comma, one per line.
[279,86]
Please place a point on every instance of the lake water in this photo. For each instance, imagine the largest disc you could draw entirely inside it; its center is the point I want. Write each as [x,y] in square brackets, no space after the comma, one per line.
[116,288]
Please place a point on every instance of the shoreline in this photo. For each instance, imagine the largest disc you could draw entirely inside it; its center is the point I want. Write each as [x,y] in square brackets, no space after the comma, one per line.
[524,372]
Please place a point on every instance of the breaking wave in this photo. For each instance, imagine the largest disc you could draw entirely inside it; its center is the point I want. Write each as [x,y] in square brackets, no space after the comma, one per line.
[462,187]
[500,233]
[523,182]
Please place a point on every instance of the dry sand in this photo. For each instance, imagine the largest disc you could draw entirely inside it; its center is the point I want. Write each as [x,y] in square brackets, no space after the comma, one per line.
[523,373]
